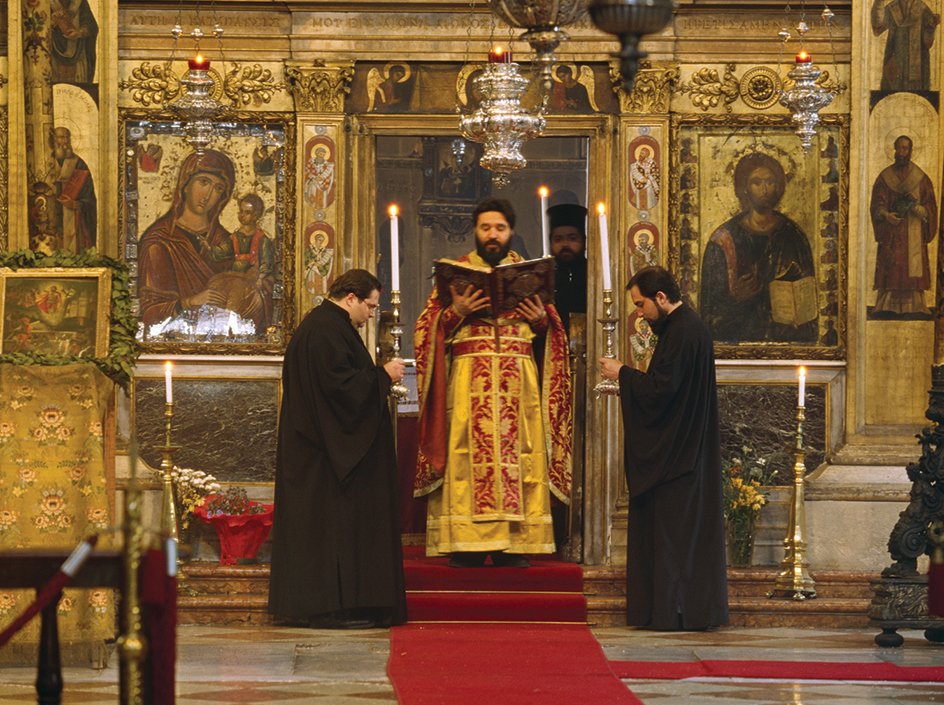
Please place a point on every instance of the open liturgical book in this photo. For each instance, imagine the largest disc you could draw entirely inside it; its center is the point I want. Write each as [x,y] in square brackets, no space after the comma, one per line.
[793,303]
[505,285]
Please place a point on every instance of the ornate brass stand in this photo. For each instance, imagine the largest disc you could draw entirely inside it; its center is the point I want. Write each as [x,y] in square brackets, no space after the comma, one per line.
[168,506]
[132,645]
[794,580]
[398,390]
[608,386]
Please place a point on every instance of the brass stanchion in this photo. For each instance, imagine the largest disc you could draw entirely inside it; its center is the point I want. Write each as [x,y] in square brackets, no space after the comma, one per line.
[794,580]
[132,645]
[608,386]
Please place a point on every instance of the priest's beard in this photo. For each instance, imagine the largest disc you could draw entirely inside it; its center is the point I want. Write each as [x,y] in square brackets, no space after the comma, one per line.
[658,325]
[493,257]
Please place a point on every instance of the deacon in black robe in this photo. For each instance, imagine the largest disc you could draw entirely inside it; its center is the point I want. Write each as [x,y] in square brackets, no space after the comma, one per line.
[336,540]
[675,556]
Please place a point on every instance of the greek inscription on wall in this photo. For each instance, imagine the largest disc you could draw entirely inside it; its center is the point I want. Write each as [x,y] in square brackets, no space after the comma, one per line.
[735,24]
[240,20]
[414,22]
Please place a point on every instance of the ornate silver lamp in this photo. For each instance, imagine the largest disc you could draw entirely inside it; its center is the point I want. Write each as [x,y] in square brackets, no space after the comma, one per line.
[500,122]
[543,20]
[629,20]
[806,98]
[197,108]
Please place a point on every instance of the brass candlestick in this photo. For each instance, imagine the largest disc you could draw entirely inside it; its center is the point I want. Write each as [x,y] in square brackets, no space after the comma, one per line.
[794,580]
[608,386]
[398,390]
[168,506]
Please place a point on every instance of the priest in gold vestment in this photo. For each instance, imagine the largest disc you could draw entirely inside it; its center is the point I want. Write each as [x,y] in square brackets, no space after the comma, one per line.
[495,432]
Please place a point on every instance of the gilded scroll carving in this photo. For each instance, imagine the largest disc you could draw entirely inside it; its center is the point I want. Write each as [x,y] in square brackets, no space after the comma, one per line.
[254,85]
[708,88]
[319,87]
[652,88]
[245,86]
[151,84]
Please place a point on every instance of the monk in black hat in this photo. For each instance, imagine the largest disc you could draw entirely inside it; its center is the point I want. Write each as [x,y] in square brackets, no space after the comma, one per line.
[568,223]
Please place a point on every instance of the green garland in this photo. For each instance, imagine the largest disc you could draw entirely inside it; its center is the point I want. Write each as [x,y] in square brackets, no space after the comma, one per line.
[123,348]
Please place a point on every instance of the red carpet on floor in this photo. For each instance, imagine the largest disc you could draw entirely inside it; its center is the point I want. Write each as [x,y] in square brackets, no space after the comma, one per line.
[784,670]
[501,664]
[550,590]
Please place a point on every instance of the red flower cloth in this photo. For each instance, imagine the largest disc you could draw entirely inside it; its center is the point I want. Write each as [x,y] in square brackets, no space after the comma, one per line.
[241,535]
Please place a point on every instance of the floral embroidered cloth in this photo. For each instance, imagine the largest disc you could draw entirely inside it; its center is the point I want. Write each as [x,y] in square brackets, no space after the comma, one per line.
[55,485]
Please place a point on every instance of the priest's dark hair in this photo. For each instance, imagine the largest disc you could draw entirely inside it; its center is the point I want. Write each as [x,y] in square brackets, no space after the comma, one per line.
[359,282]
[652,280]
[498,205]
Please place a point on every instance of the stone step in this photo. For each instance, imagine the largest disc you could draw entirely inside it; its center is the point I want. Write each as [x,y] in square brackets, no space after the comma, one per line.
[213,594]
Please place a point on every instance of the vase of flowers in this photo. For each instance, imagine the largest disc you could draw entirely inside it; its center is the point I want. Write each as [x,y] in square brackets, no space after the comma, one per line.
[191,489]
[242,524]
[745,477]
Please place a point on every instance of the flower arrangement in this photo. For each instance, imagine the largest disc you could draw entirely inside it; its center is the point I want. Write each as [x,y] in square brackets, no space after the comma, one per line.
[191,488]
[233,502]
[743,477]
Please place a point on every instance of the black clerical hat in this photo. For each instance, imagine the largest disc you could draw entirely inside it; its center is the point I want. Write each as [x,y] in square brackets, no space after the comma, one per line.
[568,214]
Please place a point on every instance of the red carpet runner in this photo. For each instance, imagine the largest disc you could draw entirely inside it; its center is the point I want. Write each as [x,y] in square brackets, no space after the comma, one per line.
[549,591]
[786,670]
[501,664]
[501,636]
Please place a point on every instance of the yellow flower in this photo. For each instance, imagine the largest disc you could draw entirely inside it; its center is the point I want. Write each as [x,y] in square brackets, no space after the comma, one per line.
[98,515]
[75,473]
[51,416]
[53,504]
[7,517]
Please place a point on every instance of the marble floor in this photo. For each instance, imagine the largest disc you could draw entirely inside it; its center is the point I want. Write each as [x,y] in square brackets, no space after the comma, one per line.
[289,666]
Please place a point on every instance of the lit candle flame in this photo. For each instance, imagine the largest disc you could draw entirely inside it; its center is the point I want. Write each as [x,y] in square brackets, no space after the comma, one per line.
[543,191]
[393,211]
[601,208]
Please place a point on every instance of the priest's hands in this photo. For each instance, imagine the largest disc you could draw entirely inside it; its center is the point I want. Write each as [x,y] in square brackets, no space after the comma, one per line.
[531,309]
[469,301]
[610,368]
[395,369]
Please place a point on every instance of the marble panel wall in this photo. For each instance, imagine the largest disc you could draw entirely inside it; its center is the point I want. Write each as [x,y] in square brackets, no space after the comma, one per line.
[227,428]
[763,417]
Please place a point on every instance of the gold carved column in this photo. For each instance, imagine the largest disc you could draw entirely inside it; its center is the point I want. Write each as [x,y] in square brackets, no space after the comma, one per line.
[322,250]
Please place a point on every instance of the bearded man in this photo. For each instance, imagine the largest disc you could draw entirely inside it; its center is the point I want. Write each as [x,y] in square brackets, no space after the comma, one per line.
[568,246]
[76,203]
[493,447]
[675,557]
[904,220]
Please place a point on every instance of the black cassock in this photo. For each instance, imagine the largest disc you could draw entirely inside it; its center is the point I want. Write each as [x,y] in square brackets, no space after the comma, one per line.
[675,557]
[336,532]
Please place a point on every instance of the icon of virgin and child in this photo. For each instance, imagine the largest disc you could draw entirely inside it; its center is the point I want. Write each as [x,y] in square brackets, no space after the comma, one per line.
[187,259]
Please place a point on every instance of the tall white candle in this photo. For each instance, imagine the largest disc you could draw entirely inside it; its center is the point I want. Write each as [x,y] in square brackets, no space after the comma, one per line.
[802,386]
[544,237]
[605,248]
[394,249]
[168,390]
